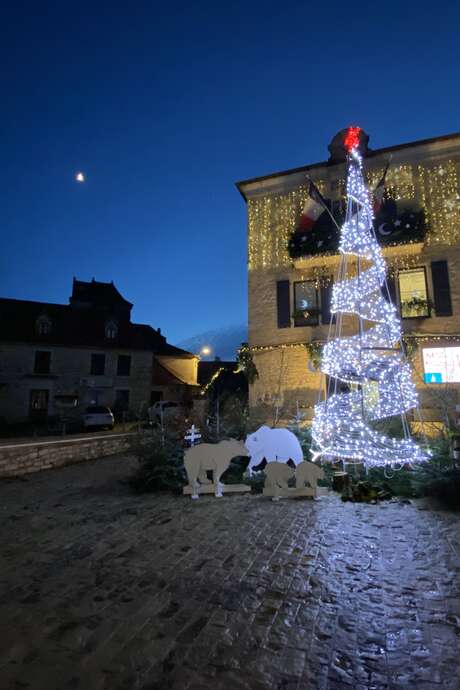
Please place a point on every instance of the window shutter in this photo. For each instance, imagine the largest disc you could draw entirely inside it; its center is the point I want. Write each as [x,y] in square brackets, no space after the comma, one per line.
[326,296]
[283,303]
[441,288]
[391,283]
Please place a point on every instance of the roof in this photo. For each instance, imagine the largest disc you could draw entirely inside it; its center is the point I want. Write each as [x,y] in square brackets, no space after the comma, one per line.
[82,323]
[96,294]
[173,351]
[72,327]
[371,153]
[206,370]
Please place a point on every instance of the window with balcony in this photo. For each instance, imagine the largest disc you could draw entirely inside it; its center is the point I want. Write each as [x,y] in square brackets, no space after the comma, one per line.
[124,365]
[42,362]
[413,294]
[97,365]
[306,308]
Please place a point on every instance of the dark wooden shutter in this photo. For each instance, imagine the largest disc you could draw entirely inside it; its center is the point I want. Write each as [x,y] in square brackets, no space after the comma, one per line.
[391,283]
[441,288]
[283,304]
[326,296]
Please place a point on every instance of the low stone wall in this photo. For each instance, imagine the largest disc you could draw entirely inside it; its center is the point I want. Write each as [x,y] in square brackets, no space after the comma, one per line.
[24,458]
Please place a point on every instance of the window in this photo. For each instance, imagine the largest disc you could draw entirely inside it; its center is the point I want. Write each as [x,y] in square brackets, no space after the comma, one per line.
[38,404]
[305,304]
[43,325]
[124,365]
[413,294]
[111,330]
[42,362]
[441,364]
[97,365]
[121,400]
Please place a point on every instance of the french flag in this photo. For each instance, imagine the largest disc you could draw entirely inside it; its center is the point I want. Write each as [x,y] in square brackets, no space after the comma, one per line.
[314,207]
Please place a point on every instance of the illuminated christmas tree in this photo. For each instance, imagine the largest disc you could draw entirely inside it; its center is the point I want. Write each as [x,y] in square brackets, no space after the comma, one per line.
[367,375]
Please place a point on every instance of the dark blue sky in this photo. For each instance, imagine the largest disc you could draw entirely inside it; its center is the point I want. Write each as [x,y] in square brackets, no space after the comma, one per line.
[165,105]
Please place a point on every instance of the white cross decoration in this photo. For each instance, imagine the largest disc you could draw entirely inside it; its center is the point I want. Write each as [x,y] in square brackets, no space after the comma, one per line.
[192,435]
[298,414]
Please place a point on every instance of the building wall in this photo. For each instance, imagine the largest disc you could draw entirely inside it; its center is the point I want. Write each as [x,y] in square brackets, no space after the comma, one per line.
[70,373]
[426,176]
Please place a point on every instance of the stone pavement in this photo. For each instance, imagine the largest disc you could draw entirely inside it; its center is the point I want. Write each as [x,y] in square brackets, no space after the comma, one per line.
[103,589]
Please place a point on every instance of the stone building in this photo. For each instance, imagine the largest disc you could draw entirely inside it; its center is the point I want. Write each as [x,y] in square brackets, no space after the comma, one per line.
[418,226]
[56,359]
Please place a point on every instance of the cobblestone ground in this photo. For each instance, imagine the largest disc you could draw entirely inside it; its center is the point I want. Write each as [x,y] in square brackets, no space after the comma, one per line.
[102,589]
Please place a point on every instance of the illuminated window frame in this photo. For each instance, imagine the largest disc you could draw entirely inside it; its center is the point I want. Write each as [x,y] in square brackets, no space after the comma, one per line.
[299,319]
[421,311]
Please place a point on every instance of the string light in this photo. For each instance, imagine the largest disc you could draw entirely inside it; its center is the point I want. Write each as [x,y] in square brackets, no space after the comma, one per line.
[272,218]
[413,336]
[375,379]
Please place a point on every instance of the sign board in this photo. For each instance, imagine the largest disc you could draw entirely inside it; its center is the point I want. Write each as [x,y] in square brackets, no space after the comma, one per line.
[441,364]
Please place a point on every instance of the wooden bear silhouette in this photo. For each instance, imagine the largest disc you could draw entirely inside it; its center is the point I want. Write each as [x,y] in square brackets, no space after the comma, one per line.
[308,472]
[210,456]
[278,474]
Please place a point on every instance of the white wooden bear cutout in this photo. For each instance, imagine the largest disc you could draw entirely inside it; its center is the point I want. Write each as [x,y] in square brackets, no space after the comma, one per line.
[275,445]
[213,457]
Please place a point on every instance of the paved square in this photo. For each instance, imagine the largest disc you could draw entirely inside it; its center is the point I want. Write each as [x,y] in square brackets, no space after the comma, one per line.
[103,589]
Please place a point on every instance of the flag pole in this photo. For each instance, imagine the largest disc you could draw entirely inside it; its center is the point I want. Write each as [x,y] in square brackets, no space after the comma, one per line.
[323,203]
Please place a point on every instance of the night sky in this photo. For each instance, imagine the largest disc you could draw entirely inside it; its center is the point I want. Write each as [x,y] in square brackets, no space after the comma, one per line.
[164,105]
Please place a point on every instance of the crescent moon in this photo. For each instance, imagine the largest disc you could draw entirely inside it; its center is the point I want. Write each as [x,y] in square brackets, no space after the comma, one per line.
[381,231]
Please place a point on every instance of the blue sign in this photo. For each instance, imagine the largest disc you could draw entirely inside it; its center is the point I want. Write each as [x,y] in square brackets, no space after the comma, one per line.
[434,377]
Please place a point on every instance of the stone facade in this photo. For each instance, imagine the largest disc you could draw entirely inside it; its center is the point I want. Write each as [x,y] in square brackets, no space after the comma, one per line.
[70,373]
[423,175]
[55,360]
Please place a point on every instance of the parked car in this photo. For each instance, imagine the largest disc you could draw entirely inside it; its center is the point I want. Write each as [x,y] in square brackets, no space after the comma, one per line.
[169,409]
[97,416]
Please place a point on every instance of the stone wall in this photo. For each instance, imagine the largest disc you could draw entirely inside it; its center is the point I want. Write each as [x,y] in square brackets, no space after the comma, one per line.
[70,374]
[24,458]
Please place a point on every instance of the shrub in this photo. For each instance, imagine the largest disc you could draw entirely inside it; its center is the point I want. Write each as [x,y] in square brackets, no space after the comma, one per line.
[235,472]
[439,477]
[256,481]
[160,468]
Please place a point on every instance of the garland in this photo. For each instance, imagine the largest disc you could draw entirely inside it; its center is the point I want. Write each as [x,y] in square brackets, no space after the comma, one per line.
[391,229]
[315,352]
[246,363]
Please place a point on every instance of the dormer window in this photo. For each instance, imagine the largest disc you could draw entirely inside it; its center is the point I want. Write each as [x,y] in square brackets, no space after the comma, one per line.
[111,330]
[43,325]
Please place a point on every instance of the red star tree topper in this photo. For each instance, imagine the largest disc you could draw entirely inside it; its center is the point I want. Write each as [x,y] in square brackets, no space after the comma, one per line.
[351,140]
